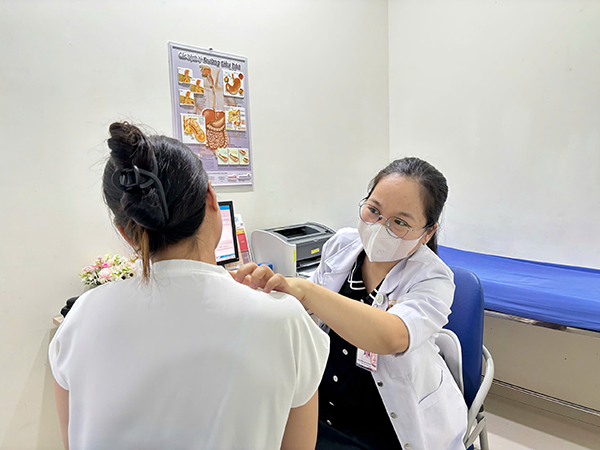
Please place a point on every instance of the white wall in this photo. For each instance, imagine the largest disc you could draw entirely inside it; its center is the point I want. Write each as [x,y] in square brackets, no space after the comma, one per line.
[503,96]
[319,105]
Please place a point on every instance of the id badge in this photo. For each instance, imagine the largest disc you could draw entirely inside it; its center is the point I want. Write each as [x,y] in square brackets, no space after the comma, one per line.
[366,360]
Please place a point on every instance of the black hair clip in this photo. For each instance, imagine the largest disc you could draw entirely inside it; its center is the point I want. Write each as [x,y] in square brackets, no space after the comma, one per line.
[135,178]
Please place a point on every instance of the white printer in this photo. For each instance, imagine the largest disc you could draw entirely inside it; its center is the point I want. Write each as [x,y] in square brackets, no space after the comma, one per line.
[293,250]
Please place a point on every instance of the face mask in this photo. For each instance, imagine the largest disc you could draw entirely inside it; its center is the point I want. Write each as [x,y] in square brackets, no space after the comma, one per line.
[380,246]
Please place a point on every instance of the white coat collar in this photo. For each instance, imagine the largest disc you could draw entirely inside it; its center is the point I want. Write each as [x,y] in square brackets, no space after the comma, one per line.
[343,260]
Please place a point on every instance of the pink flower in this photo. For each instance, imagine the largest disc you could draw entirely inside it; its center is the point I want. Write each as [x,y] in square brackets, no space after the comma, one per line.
[105,265]
[105,273]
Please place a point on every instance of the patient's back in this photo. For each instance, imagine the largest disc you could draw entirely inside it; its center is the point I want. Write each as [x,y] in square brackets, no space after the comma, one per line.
[190,360]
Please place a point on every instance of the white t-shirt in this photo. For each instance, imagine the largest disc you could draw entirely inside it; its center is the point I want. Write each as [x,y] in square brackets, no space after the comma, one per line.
[191,360]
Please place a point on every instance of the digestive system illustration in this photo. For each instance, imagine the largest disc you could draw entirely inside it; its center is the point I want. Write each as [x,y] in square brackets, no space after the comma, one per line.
[236,83]
[216,134]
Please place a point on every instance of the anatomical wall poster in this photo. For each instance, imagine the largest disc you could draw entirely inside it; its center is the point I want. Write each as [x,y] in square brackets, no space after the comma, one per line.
[211,112]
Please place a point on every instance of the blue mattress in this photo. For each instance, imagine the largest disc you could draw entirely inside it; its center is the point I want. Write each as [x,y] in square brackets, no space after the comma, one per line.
[563,295]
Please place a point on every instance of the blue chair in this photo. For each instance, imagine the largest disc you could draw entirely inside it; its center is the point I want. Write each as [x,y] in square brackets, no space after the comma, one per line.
[463,335]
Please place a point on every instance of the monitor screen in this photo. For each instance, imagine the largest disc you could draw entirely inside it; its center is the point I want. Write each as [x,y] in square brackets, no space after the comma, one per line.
[227,250]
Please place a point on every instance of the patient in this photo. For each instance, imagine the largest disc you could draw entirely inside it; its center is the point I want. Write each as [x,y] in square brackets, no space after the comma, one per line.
[183,356]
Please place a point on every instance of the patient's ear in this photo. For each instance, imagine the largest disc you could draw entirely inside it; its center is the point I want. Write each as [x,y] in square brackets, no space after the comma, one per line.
[211,198]
[125,236]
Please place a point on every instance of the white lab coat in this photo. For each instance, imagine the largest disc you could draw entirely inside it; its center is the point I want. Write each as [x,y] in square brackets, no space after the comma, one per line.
[424,403]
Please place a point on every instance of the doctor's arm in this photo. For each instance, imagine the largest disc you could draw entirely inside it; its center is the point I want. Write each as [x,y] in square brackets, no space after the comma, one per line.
[368,328]
[62,405]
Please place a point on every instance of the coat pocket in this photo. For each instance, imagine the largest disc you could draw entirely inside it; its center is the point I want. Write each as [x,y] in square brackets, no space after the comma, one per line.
[432,397]
[444,415]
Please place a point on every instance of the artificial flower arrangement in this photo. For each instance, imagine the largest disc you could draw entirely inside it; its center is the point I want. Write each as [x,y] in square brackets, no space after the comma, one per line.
[108,268]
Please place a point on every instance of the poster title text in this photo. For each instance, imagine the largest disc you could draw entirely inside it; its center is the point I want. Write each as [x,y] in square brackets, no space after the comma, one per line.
[210,61]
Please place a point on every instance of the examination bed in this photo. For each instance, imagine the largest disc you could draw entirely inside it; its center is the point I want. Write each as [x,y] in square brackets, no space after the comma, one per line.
[542,327]
[561,297]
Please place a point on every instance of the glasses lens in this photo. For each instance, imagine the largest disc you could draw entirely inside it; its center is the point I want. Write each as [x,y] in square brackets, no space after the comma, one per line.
[398,227]
[369,213]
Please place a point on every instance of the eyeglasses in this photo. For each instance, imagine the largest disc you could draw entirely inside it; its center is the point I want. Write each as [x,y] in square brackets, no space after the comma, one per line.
[395,226]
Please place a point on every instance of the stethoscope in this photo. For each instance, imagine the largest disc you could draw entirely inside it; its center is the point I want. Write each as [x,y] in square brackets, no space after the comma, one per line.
[359,285]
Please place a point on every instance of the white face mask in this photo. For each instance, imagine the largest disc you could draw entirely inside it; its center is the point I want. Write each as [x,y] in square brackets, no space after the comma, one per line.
[380,246]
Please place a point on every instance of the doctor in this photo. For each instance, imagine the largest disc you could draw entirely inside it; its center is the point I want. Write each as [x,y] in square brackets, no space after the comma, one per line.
[383,294]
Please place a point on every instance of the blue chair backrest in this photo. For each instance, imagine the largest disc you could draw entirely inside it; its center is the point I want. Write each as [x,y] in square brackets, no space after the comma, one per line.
[466,320]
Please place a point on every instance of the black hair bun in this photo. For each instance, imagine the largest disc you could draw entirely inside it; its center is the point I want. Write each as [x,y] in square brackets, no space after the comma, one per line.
[129,146]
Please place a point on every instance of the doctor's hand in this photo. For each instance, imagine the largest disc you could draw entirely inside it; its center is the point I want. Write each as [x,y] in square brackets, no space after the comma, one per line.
[253,275]
[262,277]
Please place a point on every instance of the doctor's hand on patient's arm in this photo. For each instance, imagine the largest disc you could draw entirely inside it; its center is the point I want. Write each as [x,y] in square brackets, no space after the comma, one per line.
[262,277]
[368,328]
